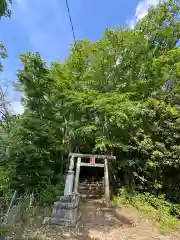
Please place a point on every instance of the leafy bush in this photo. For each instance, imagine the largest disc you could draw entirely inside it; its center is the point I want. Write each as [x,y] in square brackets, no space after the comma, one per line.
[162,212]
[5,190]
[50,193]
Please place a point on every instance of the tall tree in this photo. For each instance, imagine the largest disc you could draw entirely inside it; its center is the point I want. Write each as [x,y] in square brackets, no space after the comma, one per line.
[5,8]
[118,95]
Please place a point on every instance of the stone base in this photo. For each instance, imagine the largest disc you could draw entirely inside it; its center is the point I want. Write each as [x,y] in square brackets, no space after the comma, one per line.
[65,212]
[61,222]
[69,214]
[65,205]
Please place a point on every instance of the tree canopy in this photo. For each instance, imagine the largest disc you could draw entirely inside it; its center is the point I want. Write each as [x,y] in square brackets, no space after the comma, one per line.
[5,8]
[117,95]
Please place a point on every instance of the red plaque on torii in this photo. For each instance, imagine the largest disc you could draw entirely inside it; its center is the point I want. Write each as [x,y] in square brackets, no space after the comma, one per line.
[92,161]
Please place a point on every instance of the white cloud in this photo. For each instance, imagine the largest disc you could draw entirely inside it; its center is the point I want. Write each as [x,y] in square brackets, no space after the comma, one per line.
[13,98]
[142,10]
[131,23]
[16,107]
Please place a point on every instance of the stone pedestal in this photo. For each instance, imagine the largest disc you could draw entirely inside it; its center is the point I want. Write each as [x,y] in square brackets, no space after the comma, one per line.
[65,211]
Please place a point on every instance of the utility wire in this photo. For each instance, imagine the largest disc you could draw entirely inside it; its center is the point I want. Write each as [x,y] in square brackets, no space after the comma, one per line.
[70,19]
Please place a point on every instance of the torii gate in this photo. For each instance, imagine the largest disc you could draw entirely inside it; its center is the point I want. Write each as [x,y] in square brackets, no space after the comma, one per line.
[72,184]
[65,211]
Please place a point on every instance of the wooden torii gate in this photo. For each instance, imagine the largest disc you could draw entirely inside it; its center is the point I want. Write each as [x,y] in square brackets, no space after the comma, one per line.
[72,184]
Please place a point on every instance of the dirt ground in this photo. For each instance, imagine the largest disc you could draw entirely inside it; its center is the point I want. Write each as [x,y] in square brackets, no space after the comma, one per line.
[99,222]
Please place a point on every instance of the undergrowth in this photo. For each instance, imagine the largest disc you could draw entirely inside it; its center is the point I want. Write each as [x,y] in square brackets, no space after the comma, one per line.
[50,193]
[165,215]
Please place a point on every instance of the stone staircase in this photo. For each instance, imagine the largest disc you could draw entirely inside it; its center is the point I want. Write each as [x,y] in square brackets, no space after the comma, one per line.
[91,189]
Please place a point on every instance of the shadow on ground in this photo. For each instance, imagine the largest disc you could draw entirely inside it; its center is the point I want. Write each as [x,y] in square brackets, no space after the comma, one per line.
[96,217]
[97,222]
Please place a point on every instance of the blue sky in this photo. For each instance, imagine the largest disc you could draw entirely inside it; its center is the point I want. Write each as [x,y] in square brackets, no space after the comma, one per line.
[43,26]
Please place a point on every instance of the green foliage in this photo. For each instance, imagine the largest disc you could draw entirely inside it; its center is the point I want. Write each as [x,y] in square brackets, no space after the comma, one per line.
[118,95]
[162,212]
[5,182]
[3,54]
[5,8]
[50,193]
[6,12]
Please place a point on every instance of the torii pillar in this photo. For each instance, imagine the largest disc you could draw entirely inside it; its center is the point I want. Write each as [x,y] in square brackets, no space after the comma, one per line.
[106,181]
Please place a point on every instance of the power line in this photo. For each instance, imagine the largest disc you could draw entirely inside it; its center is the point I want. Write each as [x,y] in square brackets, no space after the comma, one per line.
[70,19]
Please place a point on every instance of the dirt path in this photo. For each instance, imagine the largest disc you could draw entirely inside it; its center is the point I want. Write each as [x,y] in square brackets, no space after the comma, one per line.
[99,222]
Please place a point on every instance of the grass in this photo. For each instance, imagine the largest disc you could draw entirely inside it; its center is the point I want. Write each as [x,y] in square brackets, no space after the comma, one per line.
[32,216]
[164,214]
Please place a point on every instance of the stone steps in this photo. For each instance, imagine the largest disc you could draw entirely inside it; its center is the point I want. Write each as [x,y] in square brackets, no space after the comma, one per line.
[90,187]
[91,190]
[85,187]
[90,196]
[93,184]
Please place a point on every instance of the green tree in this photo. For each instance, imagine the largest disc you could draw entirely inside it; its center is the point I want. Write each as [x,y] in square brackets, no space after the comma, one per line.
[118,95]
[36,154]
[5,8]
[4,12]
